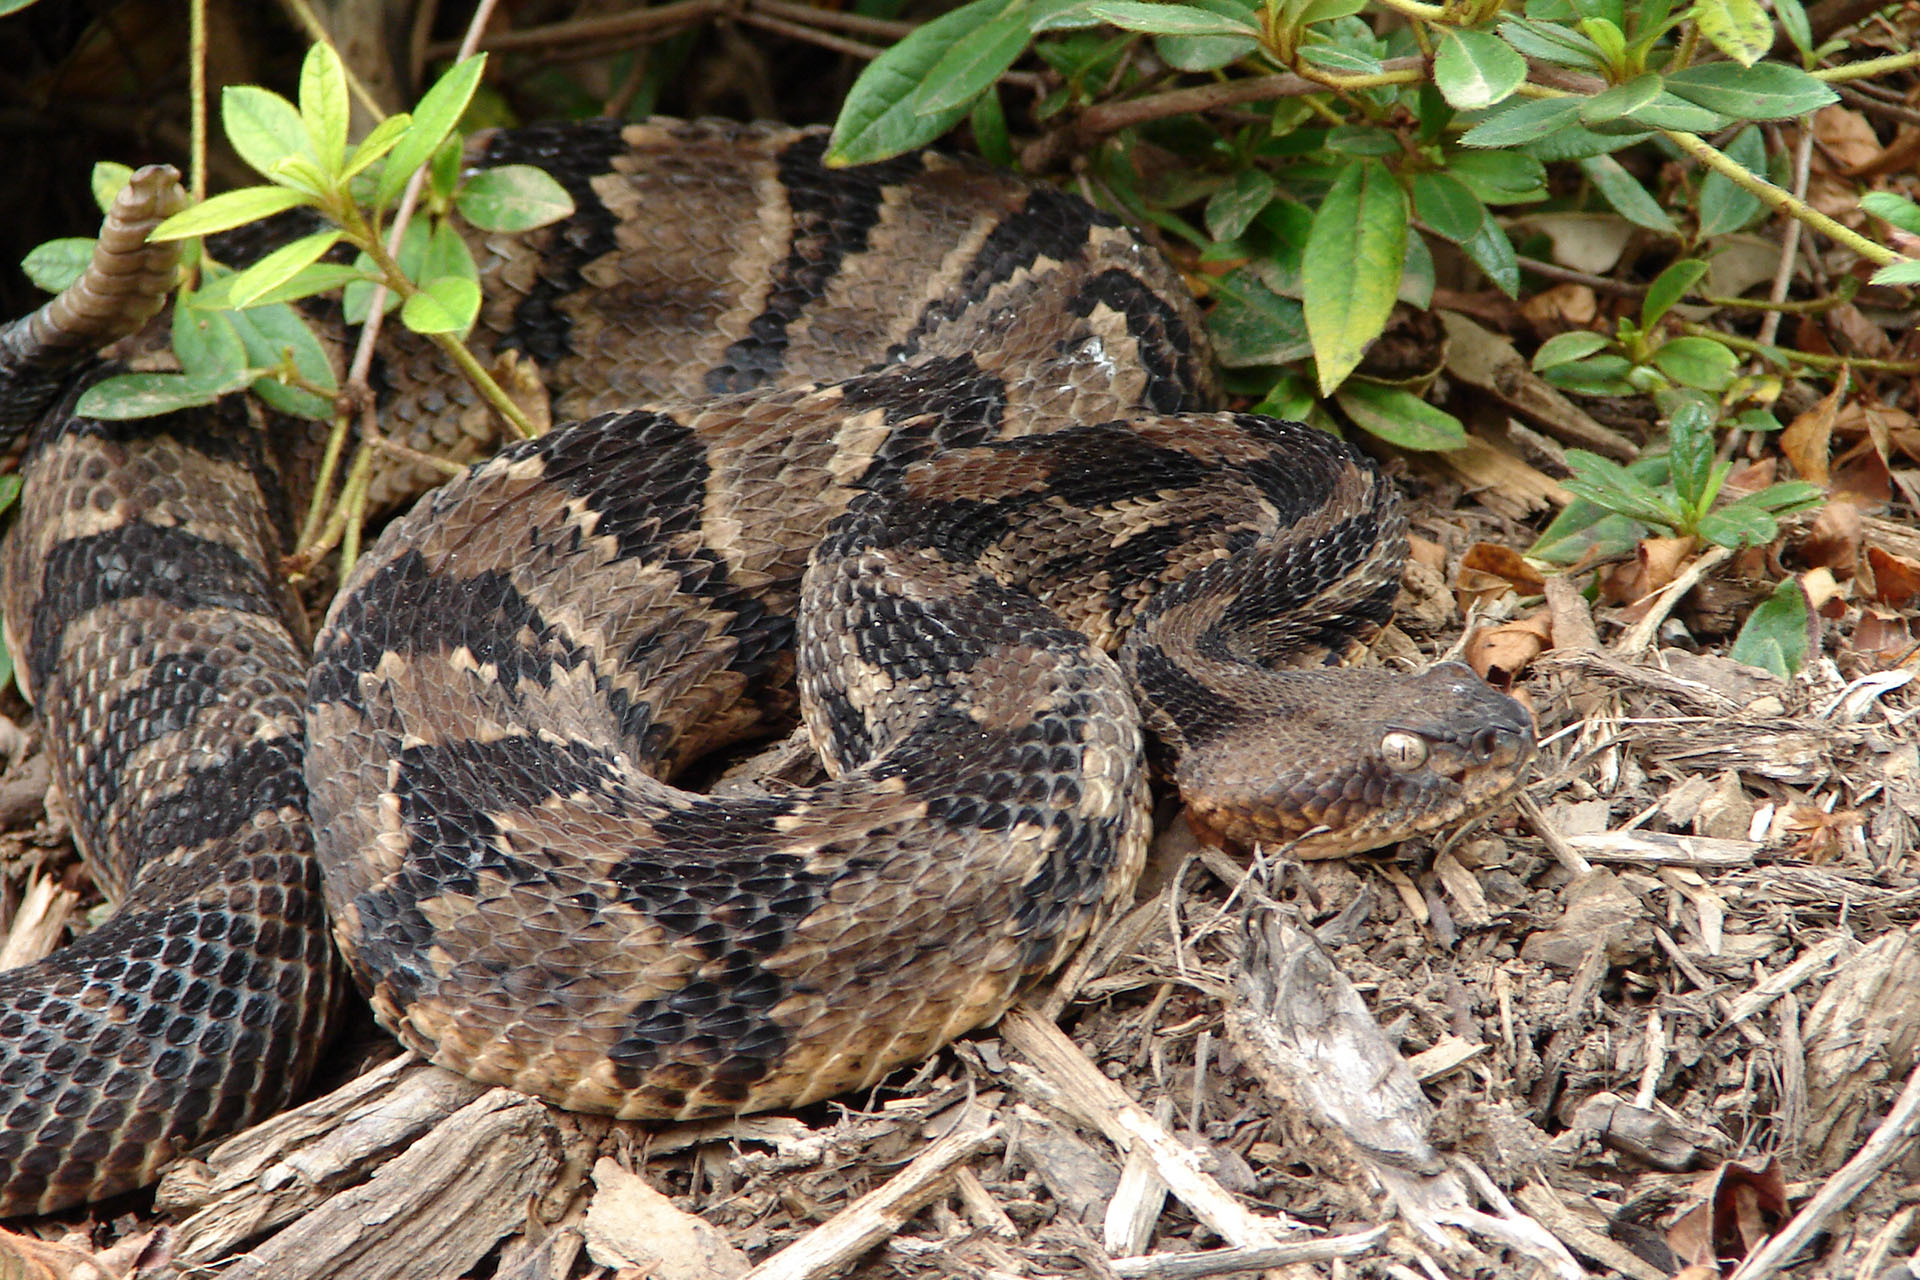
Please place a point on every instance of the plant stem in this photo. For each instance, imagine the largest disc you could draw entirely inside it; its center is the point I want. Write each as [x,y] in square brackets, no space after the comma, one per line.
[1414,9]
[323,482]
[353,503]
[1779,200]
[197,99]
[317,32]
[1786,355]
[1871,67]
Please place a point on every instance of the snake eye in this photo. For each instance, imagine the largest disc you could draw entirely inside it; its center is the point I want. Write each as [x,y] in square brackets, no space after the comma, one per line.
[1403,751]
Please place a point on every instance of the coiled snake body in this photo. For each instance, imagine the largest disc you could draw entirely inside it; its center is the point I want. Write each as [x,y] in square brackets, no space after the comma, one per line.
[920,441]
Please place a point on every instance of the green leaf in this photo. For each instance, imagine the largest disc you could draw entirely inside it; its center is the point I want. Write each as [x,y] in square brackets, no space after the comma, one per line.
[106,180]
[278,267]
[1793,20]
[1627,196]
[1355,253]
[1586,531]
[1766,91]
[1621,100]
[1564,348]
[1724,205]
[1492,252]
[448,255]
[1444,203]
[208,347]
[1553,43]
[1203,53]
[1608,38]
[1697,362]
[1232,208]
[1608,484]
[1251,325]
[1777,634]
[262,126]
[1790,495]
[321,277]
[55,264]
[1889,208]
[1906,271]
[513,197]
[988,120]
[1477,69]
[1690,454]
[971,67]
[1524,120]
[1668,288]
[228,210]
[323,105]
[1329,10]
[1667,111]
[1339,59]
[443,170]
[1400,418]
[1738,524]
[880,119]
[273,335]
[1500,177]
[1738,28]
[438,112]
[444,305]
[411,259]
[378,142]
[1362,140]
[1601,375]
[145,395]
[1169,19]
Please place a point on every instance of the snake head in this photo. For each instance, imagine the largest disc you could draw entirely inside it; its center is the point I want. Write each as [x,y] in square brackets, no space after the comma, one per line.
[1353,760]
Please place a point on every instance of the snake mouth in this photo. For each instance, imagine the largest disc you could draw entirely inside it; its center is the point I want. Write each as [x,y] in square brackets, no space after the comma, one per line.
[1465,751]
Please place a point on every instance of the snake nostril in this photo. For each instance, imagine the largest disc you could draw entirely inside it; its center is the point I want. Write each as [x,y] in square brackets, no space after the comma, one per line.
[1489,741]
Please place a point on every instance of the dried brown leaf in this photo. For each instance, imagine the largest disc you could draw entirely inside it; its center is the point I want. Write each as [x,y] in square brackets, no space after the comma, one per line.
[1833,540]
[1489,570]
[1563,307]
[1896,578]
[1808,439]
[1655,563]
[1501,653]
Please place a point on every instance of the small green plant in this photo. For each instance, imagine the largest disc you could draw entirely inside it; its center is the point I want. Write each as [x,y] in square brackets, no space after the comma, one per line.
[234,329]
[1640,357]
[1343,153]
[1684,505]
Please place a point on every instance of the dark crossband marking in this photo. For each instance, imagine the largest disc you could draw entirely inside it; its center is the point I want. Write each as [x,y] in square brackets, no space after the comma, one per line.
[140,562]
[833,213]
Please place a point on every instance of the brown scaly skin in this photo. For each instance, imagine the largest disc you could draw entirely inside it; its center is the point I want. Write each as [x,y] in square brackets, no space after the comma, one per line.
[922,434]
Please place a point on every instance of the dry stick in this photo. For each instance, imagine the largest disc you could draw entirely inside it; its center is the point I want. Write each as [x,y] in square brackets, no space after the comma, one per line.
[858,24]
[1100,1101]
[1641,633]
[1216,1262]
[1097,122]
[1889,1144]
[642,24]
[357,389]
[1789,243]
[812,35]
[1599,284]
[1568,856]
[881,1212]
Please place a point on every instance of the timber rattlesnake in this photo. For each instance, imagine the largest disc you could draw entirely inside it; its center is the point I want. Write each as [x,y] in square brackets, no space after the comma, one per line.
[998,386]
